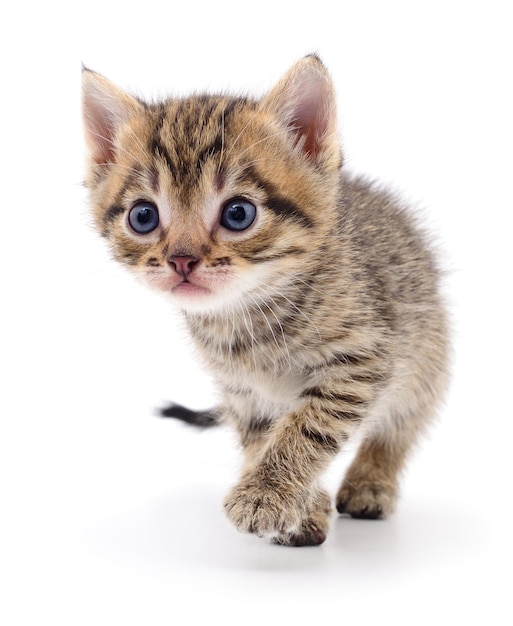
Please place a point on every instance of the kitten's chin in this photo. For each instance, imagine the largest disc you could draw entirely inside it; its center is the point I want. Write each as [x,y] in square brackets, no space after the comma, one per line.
[191,297]
[204,295]
[199,300]
[185,295]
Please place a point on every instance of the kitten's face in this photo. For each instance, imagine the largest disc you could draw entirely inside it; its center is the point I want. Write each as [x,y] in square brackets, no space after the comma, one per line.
[212,200]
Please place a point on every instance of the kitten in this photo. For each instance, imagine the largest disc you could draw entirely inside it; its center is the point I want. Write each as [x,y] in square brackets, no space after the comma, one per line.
[312,295]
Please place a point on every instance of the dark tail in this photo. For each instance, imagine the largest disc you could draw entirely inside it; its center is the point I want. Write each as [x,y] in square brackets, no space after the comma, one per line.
[201,419]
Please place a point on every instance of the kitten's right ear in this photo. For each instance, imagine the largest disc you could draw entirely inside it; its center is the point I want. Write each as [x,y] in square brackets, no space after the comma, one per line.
[105,109]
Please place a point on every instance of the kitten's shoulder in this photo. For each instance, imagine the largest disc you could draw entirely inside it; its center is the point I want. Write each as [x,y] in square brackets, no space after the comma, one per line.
[360,193]
[384,231]
[370,206]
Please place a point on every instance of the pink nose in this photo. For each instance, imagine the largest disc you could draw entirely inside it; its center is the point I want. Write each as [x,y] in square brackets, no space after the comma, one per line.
[182,264]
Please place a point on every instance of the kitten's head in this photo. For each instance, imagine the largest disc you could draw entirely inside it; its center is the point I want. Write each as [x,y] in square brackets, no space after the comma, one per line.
[214,199]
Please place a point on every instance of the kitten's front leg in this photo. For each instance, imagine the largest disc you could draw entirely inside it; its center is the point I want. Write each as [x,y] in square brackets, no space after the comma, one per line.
[276,497]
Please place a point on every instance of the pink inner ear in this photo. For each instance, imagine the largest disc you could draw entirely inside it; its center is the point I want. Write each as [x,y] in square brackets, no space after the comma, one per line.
[105,109]
[304,101]
[100,133]
[311,112]
[309,120]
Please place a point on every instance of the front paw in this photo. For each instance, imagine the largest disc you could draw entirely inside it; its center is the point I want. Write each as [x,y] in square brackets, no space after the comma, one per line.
[263,510]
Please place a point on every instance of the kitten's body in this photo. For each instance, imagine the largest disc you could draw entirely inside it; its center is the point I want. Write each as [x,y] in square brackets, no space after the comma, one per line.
[319,319]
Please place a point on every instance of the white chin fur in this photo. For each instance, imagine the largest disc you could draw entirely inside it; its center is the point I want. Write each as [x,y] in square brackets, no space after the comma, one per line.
[226,298]
[207,303]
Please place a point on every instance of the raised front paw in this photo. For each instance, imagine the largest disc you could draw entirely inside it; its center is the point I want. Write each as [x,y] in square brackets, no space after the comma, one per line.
[267,512]
[314,527]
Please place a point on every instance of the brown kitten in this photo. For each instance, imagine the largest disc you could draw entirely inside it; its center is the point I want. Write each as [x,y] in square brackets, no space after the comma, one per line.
[313,296]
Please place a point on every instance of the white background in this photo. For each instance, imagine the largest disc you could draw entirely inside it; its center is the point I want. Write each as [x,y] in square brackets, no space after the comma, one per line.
[109,515]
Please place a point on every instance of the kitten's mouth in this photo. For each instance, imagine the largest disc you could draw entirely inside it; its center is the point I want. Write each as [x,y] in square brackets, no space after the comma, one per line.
[186,288]
[177,285]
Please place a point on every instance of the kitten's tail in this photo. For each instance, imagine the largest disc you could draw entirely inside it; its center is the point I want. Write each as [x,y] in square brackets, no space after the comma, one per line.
[200,419]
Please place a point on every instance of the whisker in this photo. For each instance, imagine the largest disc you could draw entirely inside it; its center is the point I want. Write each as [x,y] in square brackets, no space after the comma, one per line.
[308,285]
[286,354]
[116,147]
[222,142]
[125,167]
[278,134]
[294,305]
[136,137]
[235,141]
[250,331]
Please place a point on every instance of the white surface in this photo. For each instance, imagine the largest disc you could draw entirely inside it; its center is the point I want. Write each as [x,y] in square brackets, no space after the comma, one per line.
[112,516]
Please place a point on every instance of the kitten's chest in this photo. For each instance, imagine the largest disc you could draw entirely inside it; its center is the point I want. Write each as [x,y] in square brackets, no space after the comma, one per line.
[257,380]
[261,394]
[261,373]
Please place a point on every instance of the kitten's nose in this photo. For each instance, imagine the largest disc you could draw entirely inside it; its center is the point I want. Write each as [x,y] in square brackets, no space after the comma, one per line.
[182,264]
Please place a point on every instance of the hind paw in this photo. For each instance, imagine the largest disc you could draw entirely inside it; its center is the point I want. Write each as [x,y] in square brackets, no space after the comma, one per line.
[366,501]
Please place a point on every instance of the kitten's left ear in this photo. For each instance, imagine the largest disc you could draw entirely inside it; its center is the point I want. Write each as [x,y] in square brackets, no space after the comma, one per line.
[105,109]
[304,100]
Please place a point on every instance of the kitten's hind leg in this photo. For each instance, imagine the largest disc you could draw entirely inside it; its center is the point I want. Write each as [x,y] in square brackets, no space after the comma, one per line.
[370,487]
[201,419]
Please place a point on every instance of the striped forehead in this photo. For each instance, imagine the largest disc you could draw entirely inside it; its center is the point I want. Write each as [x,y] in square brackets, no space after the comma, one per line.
[186,135]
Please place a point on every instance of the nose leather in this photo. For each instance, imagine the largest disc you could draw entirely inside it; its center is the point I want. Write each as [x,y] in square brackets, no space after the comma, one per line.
[182,264]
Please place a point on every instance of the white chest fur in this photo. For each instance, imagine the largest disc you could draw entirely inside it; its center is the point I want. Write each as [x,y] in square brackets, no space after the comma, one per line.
[265,395]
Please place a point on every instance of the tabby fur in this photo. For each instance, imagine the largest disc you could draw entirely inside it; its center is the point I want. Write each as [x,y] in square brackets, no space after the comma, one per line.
[321,320]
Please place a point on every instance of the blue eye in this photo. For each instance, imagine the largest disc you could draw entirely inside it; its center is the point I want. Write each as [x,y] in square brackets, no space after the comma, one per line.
[238,214]
[143,217]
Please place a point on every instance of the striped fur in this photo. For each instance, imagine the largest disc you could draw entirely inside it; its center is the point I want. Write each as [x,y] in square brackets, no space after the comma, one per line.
[320,320]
